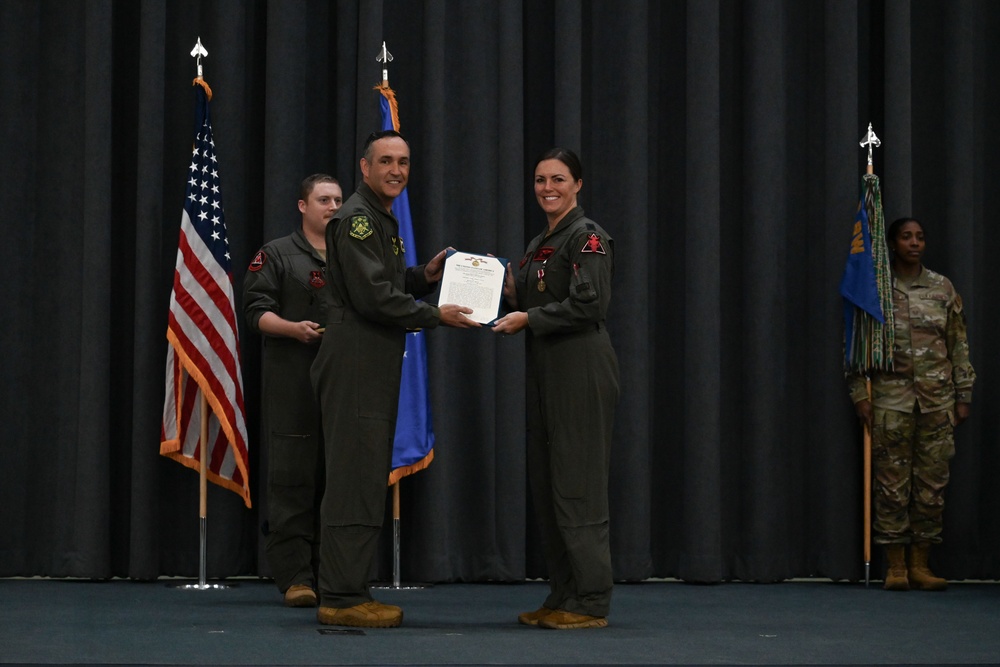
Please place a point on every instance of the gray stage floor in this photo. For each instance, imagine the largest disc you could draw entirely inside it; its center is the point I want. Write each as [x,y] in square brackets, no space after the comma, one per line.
[121,622]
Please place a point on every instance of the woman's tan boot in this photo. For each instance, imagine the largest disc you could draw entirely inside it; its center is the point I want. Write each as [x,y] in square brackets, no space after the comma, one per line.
[920,576]
[895,575]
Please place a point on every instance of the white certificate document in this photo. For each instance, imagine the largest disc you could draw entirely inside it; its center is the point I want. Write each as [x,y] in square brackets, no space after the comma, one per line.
[474,281]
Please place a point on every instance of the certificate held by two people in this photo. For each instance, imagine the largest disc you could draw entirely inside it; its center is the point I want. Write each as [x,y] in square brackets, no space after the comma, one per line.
[474,281]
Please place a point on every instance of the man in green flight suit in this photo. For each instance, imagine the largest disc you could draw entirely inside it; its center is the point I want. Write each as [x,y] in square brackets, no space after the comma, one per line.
[357,373]
[285,299]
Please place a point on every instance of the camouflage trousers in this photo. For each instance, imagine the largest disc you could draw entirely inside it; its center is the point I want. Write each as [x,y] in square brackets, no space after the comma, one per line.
[910,454]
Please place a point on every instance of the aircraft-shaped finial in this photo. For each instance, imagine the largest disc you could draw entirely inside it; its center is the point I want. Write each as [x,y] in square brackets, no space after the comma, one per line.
[871,141]
[385,58]
[197,52]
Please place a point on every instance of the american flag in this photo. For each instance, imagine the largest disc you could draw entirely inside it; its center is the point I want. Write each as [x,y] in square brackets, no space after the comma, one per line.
[203,355]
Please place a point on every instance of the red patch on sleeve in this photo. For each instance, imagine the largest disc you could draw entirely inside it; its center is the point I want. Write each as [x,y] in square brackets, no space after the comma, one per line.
[593,244]
[258,261]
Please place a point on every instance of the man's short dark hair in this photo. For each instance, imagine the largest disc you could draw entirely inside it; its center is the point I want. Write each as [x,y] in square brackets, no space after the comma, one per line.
[310,182]
[366,152]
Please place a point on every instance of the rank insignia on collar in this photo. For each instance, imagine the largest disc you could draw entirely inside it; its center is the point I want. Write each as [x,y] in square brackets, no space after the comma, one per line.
[397,245]
[361,227]
[316,279]
[593,244]
[258,261]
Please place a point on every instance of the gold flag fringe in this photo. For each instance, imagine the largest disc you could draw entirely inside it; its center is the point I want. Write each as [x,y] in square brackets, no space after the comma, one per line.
[390,95]
[403,471]
[198,81]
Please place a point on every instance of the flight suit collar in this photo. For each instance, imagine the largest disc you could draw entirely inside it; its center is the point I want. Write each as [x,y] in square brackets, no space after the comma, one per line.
[374,202]
[572,216]
[299,239]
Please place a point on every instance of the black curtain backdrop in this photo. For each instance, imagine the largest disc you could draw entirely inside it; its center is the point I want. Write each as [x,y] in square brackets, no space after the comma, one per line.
[720,142]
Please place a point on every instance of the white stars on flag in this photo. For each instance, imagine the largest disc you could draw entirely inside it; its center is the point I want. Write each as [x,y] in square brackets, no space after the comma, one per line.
[204,205]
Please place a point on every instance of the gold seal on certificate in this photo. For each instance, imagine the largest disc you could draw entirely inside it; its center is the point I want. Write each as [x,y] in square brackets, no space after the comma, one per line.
[474,281]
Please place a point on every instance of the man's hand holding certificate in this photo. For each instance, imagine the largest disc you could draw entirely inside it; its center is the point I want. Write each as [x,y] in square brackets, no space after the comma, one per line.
[474,281]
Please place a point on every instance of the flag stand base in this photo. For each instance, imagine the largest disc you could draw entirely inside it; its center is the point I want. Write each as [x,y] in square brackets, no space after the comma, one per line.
[396,583]
[386,586]
[202,586]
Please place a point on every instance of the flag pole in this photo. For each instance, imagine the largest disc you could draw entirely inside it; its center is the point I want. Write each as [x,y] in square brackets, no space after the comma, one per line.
[203,584]
[870,141]
[385,58]
[203,447]
[868,492]
[867,514]
[203,494]
[396,575]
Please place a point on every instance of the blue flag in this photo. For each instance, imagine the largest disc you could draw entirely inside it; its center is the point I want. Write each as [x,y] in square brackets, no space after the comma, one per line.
[413,448]
[859,285]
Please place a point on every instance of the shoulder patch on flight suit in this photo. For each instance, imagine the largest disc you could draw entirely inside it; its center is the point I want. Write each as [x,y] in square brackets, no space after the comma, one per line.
[316,279]
[593,244]
[361,227]
[258,261]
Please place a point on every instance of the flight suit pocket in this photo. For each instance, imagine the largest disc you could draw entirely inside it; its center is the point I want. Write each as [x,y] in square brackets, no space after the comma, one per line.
[381,354]
[581,287]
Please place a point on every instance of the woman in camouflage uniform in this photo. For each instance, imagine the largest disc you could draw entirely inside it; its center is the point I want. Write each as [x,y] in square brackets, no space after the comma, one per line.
[914,409]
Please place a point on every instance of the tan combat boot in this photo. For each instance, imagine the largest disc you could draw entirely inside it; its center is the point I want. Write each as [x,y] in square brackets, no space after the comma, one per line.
[300,595]
[370,614]
[920,576]
[532,617]
[895,575]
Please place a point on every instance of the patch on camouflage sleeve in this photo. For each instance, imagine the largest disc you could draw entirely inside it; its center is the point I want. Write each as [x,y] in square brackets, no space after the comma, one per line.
[958,303]
[361,227]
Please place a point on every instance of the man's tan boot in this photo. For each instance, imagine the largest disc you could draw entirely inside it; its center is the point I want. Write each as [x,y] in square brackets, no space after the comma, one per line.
[532,617]
[920,576]
[366,615]
[300,595]
[895,575]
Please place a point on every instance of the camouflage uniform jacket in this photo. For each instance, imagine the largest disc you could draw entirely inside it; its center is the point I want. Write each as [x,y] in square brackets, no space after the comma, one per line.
[931,367]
